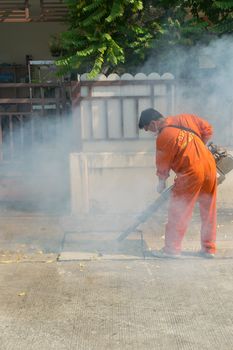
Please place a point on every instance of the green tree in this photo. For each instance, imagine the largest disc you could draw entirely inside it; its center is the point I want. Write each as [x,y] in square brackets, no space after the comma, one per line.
[104,34]
[218,14]
[118,35]
[186,26]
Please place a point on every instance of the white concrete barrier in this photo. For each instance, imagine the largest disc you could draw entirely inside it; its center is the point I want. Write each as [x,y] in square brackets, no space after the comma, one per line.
[104,183]
[121,183]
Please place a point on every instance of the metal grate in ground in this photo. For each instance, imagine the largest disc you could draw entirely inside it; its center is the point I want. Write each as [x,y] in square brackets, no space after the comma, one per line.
[104,246]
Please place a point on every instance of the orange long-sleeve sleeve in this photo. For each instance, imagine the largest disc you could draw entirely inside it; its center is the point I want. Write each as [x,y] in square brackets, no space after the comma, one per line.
[164,157]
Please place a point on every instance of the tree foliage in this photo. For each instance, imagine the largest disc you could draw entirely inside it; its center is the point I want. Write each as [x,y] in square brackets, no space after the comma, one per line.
[218,14]
[103,34]
[113,35]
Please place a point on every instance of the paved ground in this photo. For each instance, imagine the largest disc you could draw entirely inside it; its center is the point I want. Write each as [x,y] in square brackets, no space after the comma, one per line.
[114,300]
[117,305]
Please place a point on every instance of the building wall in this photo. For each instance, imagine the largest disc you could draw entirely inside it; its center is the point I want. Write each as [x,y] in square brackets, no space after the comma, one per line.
[21,39]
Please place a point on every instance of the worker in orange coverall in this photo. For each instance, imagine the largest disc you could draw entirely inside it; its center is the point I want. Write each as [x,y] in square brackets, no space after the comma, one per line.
[180,146]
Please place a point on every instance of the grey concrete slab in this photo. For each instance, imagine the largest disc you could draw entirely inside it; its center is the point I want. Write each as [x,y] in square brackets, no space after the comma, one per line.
[30,234]
[80,256]
[119,305]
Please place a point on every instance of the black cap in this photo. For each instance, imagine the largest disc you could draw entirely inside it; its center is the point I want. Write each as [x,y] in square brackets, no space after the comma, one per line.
[147,116]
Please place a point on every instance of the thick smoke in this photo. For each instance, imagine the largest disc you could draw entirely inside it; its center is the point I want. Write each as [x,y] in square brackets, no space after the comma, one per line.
[204,76]
[35,154]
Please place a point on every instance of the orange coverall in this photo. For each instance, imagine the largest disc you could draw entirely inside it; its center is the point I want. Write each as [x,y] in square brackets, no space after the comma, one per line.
[186,154]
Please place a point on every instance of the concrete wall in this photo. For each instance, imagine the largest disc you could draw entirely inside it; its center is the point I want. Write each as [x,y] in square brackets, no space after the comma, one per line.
[104,183]
[122,183]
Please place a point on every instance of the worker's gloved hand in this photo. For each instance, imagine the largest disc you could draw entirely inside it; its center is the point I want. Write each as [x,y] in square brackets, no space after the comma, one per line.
[161,186]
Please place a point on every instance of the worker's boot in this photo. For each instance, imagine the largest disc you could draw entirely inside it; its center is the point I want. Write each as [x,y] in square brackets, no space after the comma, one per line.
[164,254]
[207,255]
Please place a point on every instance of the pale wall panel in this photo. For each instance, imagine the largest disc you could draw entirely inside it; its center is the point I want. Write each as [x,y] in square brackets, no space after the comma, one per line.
[99,119]
[114,118]
[86,119]
[108,91]
[135,90]
[144,103]
[21,39]
[129,118]
[161,104]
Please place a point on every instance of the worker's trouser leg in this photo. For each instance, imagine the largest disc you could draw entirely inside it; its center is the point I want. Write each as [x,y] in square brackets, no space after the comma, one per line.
[207,202]
[179,215]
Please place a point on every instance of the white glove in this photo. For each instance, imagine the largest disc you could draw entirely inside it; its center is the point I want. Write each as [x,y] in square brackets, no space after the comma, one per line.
[161,186]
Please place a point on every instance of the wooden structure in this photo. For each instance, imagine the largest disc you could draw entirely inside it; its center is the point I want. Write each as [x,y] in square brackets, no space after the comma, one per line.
[14,11]
[34,153]
[19,11]
[53,11]
[47,100]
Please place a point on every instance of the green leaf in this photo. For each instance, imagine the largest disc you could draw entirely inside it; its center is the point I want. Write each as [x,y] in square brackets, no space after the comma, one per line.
[224,5]
[94,5]
[96,17]
[116,11]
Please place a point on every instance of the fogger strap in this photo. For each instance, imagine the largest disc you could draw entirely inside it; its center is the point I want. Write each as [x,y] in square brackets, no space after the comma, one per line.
[182,128]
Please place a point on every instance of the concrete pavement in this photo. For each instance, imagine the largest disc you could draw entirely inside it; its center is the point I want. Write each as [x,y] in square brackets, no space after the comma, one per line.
[114,300]
[117,305]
